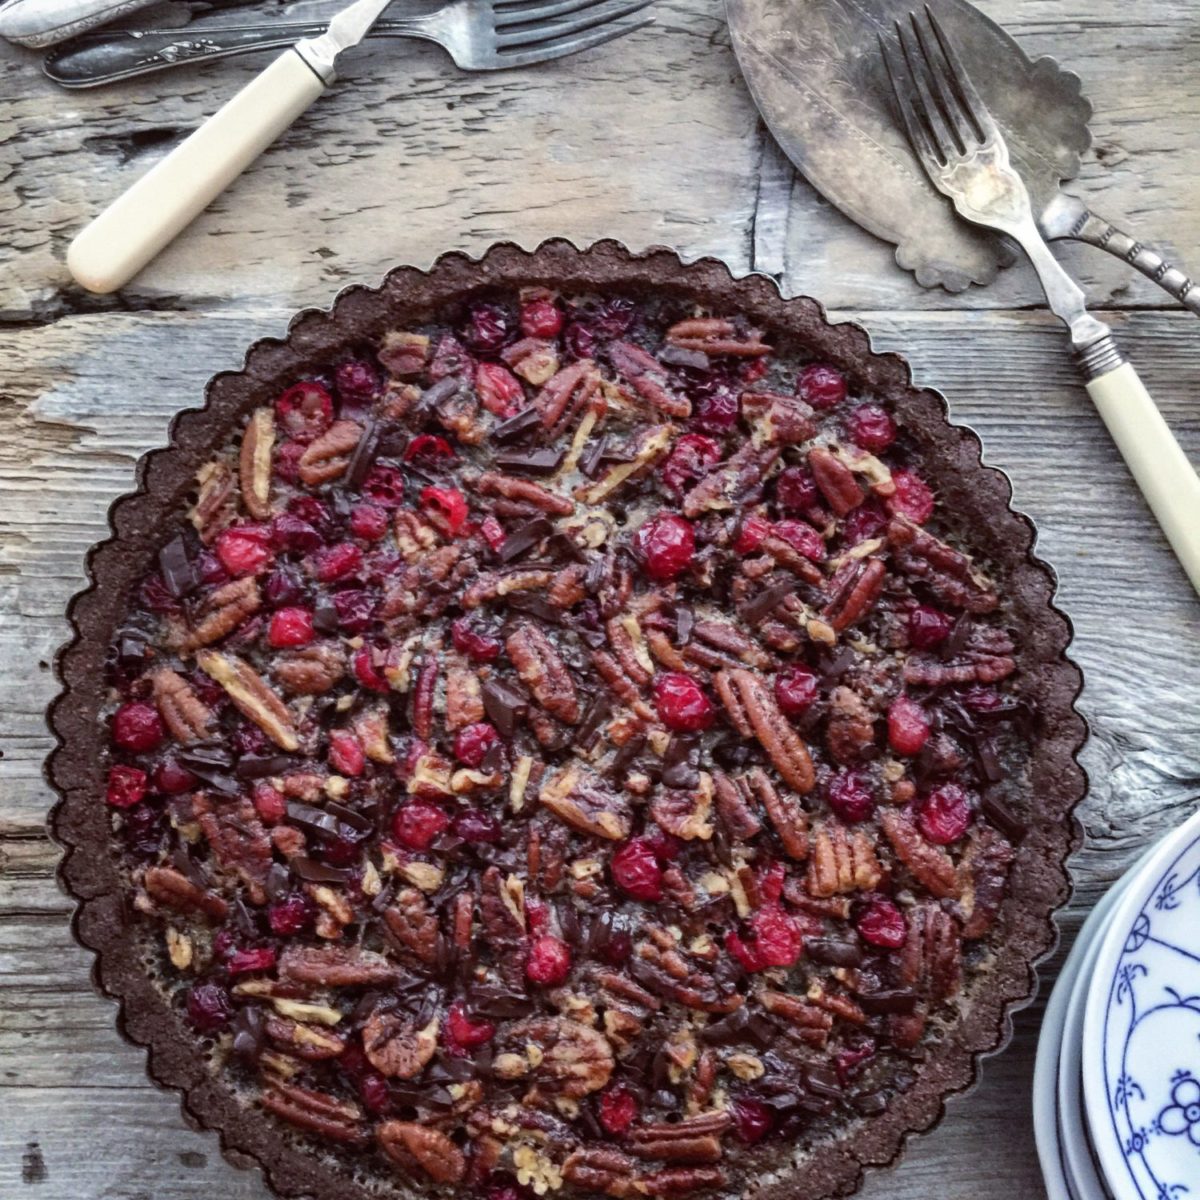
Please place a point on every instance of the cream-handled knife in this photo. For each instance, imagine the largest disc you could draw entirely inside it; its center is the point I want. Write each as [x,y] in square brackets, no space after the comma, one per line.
[148,216]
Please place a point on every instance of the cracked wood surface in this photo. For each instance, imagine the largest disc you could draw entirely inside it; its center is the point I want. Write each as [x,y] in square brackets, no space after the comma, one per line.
[653,140]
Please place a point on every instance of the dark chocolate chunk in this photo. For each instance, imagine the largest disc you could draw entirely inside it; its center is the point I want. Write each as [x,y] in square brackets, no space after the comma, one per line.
[834,952]
[594,715]
[503,705]
[544,460]
[765,603]
[439,393]
[685,620]
[175,563]
[593,453]
[312,871]
[681,356]
[248,1028]
[259,766]
[516,427]
[893,1000]
[994,810]
[524,538]
[278,883]
[536,605]
[363,458]
[325,615]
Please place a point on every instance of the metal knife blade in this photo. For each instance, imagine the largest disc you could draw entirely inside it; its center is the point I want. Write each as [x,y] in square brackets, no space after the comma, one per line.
[345,30]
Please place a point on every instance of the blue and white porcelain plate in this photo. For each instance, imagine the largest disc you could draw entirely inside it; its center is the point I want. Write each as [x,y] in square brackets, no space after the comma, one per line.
[1141,1035]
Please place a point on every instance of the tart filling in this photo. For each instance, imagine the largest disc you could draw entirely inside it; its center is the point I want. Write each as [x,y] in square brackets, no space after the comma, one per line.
[566,747]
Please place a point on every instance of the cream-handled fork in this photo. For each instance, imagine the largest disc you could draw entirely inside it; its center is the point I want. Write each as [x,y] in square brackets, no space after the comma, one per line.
[480,35]
[966,157]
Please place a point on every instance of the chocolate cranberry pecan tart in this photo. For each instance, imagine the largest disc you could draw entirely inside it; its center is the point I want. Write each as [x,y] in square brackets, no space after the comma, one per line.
[567,724]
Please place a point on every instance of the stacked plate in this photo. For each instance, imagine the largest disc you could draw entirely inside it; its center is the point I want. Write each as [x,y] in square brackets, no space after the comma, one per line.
[1116,1093]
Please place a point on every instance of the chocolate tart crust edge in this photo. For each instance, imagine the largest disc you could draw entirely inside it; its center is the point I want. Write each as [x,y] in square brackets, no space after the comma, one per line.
[79,821]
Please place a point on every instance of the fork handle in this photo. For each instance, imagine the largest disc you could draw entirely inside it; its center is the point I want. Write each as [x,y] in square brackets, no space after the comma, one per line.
[149,214]
[1155,459]
[1097,231]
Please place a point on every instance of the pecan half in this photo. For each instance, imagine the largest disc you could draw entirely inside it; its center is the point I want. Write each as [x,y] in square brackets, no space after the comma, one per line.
[411,1145]
[777,419]
[252,696]
[223,611]
[841,862]
[491,586]
[328,456]
[239,842]
[316,1113]
[511,487]
[534,359]
[394,1045]
[645,374]
[335,966]
[543,672]
[984,873]
[716,336]
[836,481]
[464,698]
[734,808]
[567,393]
[789,820]
[692,1140]
[667,972]
[930,864]
[857,594]
[311,670]
[732,482]
[684,813]
[216,501]
[808,1022]
[575,1059]
[185,715]
[781,742]
[583,800]
[947,572]
[309,1042]
[930,959]
[602,1169]
[167,886]
[681,1181]
[254,462]
[403,353]
[412,922]
[850,735]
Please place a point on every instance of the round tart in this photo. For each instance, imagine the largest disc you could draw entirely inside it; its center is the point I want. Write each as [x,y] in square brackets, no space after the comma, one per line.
[567,723]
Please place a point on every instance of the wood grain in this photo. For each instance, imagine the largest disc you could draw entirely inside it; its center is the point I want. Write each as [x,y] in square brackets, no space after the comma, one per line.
[653,140]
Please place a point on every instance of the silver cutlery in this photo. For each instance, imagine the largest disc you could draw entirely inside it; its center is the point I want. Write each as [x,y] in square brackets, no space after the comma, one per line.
[478,35]
[38,23]
[966,156]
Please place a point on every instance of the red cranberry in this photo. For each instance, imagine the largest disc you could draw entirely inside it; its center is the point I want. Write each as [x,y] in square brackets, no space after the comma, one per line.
[487,328]
[618,1110]
[450,357]
[821,386]
[373,1089]
[369,522]
[224,944]
[287,460]
[269,803]
[681,702]
[871,427]
[137,728]
[796,689]
[367,673]
[549,961]
[384,486]
[848,1061]
[311,509]
[908,726]
[244,549]
[752,1120]
[142,829]
[417,823]
[472,743]
[355,608]
[172,777]
[337,562]
[209,570]
[618,949]
[499,390]
[446,508]
[665,545]
[717,411]
[290,627]
[284,587]
[882,924]
[928,627]
[850,797]
[751,534]
[690,458]
[537,913]
[429,450]
[913,497]
[541,318]
[357,382]
[244,962]
[290,532]
[636,870]
[474,827]
[126,786]
[945,815]
[346,753]
[802,538]
[248,739]
[478,647]
[982,699]
[580,340]
[753,369]
[493,532]
[613,317]
[866,521]
[209,1007]
[774,940]
[462,1033]
[290,916]
[796,490]
[153,594]
[304,411]
[771,880]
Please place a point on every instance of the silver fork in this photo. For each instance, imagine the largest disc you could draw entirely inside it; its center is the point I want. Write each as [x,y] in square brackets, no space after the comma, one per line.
[520,30]
[480,35]
[966,157]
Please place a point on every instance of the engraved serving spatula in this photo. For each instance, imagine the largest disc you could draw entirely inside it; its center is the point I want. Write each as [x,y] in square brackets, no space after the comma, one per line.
[966,156]
[480,35]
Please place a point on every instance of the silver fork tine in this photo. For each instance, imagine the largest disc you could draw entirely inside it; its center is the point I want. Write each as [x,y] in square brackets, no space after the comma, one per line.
[971,100]
[952,107]
[917,133]
[571,45]
[524,14]
[926,105]
[597,14]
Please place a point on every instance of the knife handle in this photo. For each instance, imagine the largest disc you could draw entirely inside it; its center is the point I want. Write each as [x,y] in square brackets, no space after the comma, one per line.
[149,214]
[1155,459]
[1096,231]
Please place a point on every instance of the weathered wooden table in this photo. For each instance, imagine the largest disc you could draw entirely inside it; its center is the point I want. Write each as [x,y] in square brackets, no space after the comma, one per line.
[650,140]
